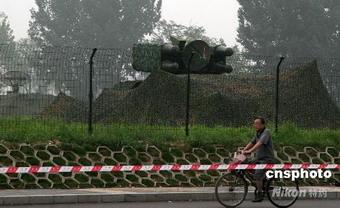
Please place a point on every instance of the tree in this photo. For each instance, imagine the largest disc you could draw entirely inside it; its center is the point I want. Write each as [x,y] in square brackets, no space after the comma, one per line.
[165,29]
[290,28]
[6,33]
[89,23]
[6,44]
[113,24]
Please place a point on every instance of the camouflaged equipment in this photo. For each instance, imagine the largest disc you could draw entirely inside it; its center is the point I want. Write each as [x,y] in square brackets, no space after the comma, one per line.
[146,57]
[177,58]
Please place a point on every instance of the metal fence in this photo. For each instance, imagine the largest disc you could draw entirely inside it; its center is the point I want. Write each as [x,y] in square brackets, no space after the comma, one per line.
[59,84]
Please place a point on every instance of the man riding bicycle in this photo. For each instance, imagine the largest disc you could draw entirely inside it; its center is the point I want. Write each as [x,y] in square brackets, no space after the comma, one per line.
[262,145]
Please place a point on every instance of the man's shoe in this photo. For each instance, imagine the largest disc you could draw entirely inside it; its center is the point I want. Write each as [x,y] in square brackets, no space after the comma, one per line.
[258,197]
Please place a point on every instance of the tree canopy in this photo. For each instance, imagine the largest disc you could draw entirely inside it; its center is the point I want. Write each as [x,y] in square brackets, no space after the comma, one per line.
[290,28]
[6,33]
[165,29]
[88,23]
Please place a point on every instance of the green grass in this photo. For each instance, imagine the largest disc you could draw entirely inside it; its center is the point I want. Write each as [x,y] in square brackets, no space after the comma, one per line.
[27,130]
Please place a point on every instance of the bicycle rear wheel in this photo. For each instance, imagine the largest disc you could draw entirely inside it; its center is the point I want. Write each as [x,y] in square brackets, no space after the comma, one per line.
[231,189]
[282,193]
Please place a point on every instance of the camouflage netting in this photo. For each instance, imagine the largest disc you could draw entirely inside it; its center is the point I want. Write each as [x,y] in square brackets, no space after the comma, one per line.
[160,99]
[24,104]
[66,108]
[305,100]
[23,155]
[112,97]
[220,99]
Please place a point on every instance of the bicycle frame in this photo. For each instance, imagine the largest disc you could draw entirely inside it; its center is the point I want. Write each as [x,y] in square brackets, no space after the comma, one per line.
[248,176]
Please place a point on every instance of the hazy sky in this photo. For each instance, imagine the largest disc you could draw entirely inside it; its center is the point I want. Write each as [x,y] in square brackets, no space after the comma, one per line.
[219,17]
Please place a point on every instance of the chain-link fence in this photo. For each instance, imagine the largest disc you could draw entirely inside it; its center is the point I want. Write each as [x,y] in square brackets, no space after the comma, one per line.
[56,84]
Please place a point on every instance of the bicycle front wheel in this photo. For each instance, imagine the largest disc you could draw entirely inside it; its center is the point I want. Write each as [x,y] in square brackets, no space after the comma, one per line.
[231,189]
[282,193]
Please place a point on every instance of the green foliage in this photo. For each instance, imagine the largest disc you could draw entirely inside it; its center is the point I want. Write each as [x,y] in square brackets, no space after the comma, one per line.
[291,28]
[164,30]
[6,33]
[87,23]
[115,136]
[6,43]
[317,138]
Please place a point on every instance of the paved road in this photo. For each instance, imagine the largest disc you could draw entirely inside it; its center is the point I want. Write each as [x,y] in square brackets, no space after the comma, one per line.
[299,204]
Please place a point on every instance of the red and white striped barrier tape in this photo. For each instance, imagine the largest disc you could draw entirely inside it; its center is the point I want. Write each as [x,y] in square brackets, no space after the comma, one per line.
[174,167]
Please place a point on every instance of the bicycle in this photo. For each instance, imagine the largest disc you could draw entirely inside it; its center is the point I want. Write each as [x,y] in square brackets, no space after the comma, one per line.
[232,188]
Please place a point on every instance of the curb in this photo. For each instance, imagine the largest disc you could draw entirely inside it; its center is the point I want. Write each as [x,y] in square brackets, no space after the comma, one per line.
[124,197]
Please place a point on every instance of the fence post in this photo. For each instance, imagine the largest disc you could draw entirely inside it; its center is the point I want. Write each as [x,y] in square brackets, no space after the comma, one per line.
[90,128]
[187,110]
[277,83]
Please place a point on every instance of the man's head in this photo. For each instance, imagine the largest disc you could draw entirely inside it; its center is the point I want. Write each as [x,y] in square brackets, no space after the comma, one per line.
[259,123]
